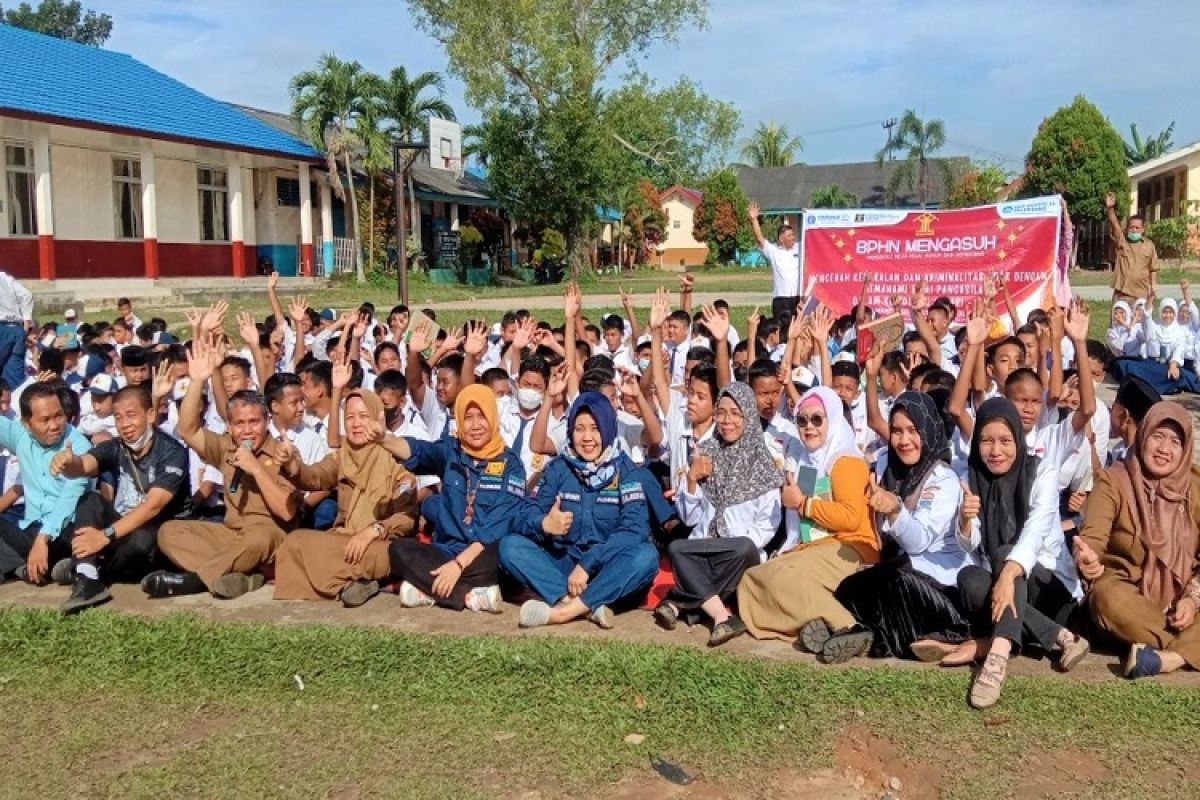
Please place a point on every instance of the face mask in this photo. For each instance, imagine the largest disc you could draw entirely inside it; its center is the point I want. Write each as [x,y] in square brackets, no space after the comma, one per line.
[643,364]
[1133,237]
[528,399]
[142,441]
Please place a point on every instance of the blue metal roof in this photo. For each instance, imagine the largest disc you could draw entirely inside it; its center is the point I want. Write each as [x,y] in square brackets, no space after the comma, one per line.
[50,78]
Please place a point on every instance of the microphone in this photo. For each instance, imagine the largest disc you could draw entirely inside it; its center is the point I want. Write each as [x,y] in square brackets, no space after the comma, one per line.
[236,481]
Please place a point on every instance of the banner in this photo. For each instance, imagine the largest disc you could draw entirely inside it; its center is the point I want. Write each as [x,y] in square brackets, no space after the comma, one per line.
[953,251]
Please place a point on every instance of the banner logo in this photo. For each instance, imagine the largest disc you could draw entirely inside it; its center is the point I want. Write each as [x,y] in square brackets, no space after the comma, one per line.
[925,224]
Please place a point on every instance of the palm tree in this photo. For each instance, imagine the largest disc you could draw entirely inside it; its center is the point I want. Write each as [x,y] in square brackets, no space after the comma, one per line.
[327,103]
[771,146]
[1138,150]
[374,150]
[409,113]
[918,140]
[832,196]
[472,144]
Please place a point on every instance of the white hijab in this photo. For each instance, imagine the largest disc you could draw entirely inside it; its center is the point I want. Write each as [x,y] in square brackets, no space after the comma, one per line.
[839,441]
[1174,334]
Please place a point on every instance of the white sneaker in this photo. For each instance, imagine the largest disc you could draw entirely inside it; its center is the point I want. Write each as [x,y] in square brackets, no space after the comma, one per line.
[485,599]
[412,597]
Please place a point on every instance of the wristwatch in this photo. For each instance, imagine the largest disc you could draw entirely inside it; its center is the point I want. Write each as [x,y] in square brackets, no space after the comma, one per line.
[380,531]
[110,533]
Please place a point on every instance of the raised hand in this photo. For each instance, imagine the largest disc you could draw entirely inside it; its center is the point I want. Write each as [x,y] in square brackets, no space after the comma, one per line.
[557,385]
[989,287]
[797,327]
[822,323]
[162,383]
[359,328]
[557,522]
[476,342]
[1058,323]
[214,317]
[717,322]
[626,299]
[686,282]
[1110,200]
[875,359]
[298,309]
[59,461]
[659,308]
[1078,319]
[193,317]
[919,303]
[454,337]
[572,301]
[629,384]
[977,327]
[342,372]
[526,329]
[200,360]
[897,303]
[755,319]
[273,280]
[247,329]
[422,337]
[753,209]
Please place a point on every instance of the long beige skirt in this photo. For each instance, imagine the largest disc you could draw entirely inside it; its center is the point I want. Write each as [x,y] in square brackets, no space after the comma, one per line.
[778,598]
[311,565]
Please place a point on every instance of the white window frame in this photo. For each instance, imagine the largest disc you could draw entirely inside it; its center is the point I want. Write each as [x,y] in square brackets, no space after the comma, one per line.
[131,183]
[216,194]
[10,205]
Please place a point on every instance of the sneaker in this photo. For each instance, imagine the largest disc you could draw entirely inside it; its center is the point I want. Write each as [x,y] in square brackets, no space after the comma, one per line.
[485,599]
[813,636]
[534,614]
[1143,661]
[88,592]
[63,572]
[357,593]
[236,584]
[602,616]
[1072,653]
[412,597]
[985,691]
[722,632]
[845,644]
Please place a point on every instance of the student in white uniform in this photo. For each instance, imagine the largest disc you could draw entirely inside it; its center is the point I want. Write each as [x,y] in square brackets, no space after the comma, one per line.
[730,498]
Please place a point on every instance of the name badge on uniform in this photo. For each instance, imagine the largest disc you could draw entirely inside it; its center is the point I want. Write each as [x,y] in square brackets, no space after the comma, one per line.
[494,468]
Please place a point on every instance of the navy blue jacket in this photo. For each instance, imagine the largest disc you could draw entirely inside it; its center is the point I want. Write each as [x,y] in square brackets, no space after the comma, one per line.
[605,522]
[499,487]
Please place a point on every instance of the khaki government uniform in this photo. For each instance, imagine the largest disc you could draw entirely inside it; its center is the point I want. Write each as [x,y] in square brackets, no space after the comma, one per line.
[1136,261]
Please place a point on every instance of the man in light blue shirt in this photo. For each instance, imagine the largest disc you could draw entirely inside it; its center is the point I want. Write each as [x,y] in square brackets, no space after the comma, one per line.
[48,524]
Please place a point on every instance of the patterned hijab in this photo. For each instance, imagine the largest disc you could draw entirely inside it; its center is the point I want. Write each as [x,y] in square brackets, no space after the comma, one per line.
[742,469]
[1162,517]
[901,478]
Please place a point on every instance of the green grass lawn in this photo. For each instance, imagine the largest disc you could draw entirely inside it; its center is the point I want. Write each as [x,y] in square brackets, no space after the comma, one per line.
[108,705]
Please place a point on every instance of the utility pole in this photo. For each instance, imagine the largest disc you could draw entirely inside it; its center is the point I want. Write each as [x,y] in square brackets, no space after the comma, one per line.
[888,124]
[399,179]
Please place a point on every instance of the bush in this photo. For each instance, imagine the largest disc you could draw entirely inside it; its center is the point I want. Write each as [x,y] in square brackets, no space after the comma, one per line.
[1175,236]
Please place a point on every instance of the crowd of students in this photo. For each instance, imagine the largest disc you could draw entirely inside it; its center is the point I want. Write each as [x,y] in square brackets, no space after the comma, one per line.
[958,500]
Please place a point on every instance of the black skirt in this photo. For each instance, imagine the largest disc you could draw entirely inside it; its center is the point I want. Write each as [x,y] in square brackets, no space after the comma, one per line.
[901,605]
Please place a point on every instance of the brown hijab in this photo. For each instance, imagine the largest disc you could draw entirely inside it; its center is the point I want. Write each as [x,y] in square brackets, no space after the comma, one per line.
[368,472]
[1161,511]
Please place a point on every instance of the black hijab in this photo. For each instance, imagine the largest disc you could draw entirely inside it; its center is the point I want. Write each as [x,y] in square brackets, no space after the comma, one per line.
[1004,499]
[901,478]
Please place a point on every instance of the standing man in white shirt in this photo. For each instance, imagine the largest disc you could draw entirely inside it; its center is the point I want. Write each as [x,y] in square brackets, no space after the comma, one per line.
[16,317]
[785,267]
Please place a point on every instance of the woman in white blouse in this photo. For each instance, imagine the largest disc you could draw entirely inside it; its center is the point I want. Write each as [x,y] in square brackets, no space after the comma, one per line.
[910,600]
[731,499]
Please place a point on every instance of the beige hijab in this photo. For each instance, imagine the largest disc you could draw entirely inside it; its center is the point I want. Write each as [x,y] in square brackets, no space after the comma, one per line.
[1161,510]
[368,472]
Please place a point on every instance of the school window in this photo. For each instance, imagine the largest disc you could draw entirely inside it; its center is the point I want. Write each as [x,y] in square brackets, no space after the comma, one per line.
[287,192]
[127,198]
[675,224]
[19,194]
[214,204]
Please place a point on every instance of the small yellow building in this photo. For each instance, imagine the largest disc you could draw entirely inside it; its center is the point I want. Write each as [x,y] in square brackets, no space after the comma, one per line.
[1167,185]
[679,249]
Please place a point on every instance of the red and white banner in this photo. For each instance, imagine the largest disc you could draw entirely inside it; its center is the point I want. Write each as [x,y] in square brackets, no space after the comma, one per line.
[952,251]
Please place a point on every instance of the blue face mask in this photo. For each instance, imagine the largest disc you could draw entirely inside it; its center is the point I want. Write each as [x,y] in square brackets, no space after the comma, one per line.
[1133,237]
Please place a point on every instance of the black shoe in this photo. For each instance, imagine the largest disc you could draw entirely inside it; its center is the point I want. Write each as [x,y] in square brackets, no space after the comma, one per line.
[846,644]
[666,616]
[88,592]
[63,572]
[722,632]
[172,584]
[357,593]
[813,636]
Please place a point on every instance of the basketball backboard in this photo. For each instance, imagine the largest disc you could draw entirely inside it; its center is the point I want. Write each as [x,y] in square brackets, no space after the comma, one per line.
[445,145]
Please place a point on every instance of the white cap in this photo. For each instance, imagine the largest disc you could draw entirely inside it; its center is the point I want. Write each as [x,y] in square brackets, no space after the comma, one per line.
[69,314]
[103,384]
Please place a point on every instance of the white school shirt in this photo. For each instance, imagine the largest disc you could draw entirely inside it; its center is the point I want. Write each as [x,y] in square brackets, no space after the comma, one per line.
[681,443]
[1076,471]
[929,533]
[1054,442]
[434,414]
[756,519]
[1127,342]
[785,268]
[515,429]
[948,349]
[310,445]
[778,434]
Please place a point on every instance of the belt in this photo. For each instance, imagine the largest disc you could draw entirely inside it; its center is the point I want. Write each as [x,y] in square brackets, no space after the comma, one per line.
[7,321]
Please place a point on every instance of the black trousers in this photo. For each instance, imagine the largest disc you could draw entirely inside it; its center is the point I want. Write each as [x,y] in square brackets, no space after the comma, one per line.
[706,568]
[414,561]
[783,309]
[901,605]
[129,558]
[1043,605]
[16,543]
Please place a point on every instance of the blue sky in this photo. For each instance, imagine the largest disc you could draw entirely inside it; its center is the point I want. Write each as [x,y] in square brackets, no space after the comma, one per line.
[830,71]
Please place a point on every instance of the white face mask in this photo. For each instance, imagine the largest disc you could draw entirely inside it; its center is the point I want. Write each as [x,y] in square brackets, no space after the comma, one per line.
[643,364]
[143,440]
[528,399]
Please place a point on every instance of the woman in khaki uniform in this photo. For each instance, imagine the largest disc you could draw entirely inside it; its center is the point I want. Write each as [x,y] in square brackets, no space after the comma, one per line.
[1139,546]
[377,501]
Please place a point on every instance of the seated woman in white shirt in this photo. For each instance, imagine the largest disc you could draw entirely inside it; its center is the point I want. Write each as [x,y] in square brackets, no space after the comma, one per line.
[1126,337]
[1168,340]
[910,600]
[731,500]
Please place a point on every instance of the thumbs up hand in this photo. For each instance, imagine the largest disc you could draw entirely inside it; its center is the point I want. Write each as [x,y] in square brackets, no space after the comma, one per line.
[61,459]
[791,496]
[557,521]
[1086,560]
[969,509]
[881,500]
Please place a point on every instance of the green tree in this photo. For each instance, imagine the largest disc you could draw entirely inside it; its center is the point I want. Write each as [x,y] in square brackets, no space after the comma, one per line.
[1175,236]
[771,146]
[1139,150]
[722,219]
[328,102]
[918,140]
[977,186]
[1077,153]
[540,63]
[374,149]
[65,20]
[832,196]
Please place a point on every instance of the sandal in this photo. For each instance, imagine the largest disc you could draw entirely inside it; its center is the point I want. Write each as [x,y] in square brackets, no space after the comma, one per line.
[985,690]
[846,644]
[966,653]
[928,651]
[813,636]
[722,632]
[666,616]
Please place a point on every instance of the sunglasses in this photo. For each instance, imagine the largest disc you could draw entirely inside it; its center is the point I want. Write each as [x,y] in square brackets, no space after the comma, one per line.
[802,420]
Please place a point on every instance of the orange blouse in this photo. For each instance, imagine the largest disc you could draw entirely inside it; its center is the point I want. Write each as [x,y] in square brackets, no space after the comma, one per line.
[847,517]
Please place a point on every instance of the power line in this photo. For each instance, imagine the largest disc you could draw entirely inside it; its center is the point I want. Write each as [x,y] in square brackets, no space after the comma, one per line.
[855,126]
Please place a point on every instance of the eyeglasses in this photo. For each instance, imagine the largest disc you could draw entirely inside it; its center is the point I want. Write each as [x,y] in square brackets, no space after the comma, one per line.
[802,420]
[730,415]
